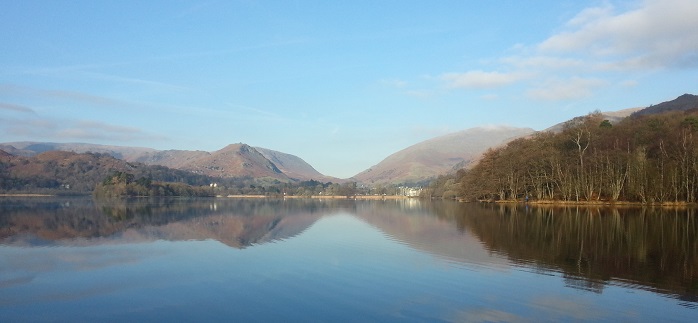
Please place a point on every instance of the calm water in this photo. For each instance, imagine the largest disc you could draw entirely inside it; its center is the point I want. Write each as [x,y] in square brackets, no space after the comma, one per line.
[310,260]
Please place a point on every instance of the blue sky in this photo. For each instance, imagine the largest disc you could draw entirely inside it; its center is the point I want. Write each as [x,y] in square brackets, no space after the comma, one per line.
[341,84]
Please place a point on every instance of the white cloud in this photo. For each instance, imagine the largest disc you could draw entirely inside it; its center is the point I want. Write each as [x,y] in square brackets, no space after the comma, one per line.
[481,79]
[657,34]
[591,49]
[560,89]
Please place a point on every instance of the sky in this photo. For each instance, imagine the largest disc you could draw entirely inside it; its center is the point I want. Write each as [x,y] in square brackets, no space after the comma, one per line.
[341,84]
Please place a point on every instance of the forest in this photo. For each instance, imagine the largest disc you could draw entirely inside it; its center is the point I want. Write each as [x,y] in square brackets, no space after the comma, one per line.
[650,159]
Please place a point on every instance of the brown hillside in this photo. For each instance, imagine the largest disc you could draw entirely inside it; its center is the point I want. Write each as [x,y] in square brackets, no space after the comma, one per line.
[236,160]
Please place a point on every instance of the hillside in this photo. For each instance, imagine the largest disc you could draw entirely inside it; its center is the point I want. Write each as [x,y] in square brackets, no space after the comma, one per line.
[682,103]
[237,160]
[439,155]
[644,159]
[612,116]
[73,173]
[294,167]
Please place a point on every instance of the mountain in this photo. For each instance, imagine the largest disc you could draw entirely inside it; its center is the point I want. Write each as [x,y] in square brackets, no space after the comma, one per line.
[682,103]
[236,160]
[170,158]
[439,155]
[612,116]
[294,167]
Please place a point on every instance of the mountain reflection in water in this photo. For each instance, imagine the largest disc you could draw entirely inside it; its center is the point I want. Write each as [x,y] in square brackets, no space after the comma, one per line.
[590,249]
[236,223]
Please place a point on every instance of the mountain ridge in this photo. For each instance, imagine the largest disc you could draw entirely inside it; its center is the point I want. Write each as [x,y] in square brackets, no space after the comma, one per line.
[417,163]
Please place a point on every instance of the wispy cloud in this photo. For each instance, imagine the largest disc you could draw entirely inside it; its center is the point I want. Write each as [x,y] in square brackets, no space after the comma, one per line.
[481,79]
[135,81]
[16,108]
[394,82]
[420,94]
[91,130]
[565,89]
[543,62]
[63,95]
[69,130]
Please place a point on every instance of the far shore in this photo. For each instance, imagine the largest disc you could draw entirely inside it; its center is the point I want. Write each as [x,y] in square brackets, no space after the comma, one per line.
[329,197]
[401,197]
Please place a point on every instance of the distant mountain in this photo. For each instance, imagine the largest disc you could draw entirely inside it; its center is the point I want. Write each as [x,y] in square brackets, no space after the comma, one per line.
[439,155]
[170,158]
[612,116]
[682,103]
[294,167]
[236,160]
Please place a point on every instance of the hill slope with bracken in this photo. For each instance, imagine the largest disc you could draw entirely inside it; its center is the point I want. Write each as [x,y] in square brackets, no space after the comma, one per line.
[439,155]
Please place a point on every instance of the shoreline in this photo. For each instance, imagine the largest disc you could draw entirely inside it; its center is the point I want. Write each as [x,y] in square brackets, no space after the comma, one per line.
[593,203]
[329,197]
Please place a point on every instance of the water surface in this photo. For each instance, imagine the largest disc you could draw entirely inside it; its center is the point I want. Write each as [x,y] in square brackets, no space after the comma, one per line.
[311,260]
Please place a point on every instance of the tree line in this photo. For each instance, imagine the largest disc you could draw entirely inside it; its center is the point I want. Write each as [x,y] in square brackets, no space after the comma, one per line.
[643,158]
[69,173]
[121,184]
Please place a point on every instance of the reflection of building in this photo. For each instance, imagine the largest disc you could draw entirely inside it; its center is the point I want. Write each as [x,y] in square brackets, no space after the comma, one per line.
[409,191]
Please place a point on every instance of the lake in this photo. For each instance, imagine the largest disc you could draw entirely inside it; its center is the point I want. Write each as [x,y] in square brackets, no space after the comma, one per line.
[246,260]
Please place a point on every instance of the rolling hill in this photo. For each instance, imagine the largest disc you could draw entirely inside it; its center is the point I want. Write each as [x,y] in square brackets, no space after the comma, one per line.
[437,156]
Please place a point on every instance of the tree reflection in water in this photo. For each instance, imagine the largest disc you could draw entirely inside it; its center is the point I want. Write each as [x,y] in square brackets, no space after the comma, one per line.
[652,248]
